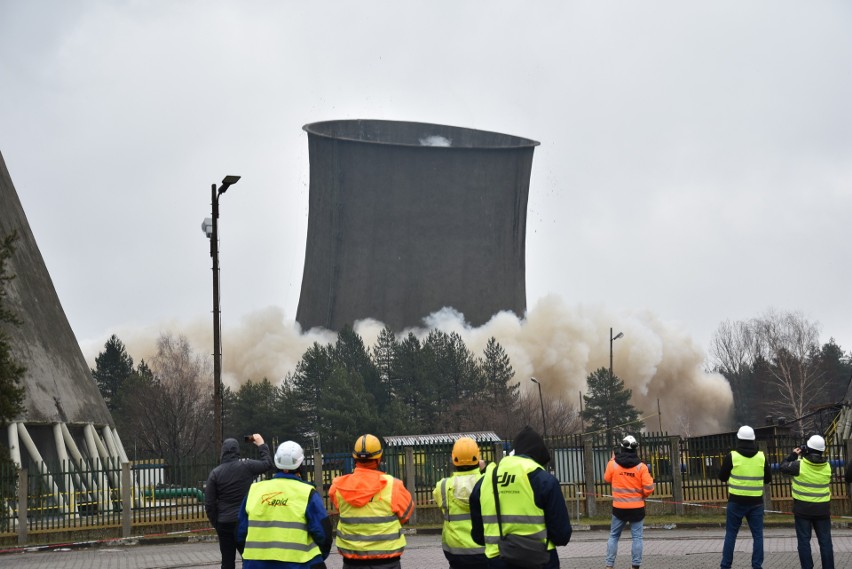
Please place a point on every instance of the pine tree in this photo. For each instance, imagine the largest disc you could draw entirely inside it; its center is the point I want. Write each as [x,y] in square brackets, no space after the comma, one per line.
[113,367]
[608,407]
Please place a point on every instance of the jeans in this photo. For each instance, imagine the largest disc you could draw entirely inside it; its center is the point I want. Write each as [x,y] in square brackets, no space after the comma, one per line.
[822,528]
[734,514]
[615,527]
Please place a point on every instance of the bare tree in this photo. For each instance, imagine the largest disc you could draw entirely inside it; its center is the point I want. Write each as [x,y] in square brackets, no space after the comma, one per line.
[172,411]
[791,344]
[733,351]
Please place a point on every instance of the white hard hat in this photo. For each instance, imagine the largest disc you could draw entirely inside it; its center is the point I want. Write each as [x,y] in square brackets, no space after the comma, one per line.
[289,456]
[629,442]
[745,433]
[816,443]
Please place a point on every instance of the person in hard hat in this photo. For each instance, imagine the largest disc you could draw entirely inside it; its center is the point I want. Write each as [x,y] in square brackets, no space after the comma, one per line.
[452,495]
[631,482]
[225,490]
[746,471]
[531,502]
[811,475]
[373,507]
[283,523]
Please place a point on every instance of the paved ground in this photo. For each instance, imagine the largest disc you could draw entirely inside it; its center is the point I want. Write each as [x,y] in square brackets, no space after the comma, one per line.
[664,549]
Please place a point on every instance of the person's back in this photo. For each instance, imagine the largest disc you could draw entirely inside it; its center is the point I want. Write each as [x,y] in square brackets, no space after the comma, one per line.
[283,522]
[746,471]
[225,490]
[373,506]
[811,490]
[530,500]
[452,495]
[631,482]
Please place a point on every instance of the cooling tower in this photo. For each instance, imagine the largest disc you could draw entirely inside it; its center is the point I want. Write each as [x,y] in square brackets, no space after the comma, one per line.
[65,417]
[408,218]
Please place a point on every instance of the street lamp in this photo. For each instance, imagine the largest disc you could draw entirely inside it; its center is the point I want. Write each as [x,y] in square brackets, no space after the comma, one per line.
[541,400]
[611,340]
[211,230]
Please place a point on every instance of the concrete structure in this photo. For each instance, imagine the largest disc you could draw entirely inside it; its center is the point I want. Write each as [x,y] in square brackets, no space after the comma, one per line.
[65,417]
[408,218]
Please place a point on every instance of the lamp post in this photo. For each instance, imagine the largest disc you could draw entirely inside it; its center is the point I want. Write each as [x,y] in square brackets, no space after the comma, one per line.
[541,400]
[211,229]
[611,340]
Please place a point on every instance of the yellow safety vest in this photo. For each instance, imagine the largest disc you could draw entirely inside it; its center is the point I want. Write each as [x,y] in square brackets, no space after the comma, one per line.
[371,531]
[517,504]
[277,526]
[455,537]
[812,483]
[747,474]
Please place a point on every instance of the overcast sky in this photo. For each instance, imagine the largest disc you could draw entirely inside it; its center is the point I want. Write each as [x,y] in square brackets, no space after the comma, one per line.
[695,158]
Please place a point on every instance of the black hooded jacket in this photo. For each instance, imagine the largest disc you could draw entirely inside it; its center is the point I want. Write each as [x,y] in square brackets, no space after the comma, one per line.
[748,449]
[229,482]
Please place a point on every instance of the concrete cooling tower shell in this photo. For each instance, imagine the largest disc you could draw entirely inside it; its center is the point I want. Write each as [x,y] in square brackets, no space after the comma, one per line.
[64,414]
[408,218]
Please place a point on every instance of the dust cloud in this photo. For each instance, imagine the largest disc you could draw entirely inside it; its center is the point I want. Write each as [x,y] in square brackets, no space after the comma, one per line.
[556,343]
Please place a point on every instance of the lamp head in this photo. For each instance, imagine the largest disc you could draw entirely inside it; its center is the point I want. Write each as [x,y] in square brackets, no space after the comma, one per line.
[227,182]
[534,380]
[619,335]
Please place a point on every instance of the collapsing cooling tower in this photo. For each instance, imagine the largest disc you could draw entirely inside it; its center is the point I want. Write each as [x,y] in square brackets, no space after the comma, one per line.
[408,218]
[65,417]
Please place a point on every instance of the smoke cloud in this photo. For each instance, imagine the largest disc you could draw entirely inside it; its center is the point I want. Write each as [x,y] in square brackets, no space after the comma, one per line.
[557,343]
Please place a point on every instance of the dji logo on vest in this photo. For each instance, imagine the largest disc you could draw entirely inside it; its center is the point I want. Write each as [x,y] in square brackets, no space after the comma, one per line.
[505,479]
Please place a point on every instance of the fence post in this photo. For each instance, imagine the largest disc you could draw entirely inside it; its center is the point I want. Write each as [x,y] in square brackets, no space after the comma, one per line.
[767,488]
[589,472]
[410,480]
[498,452]
[126,505]
[22,506]
[318,472]
[847,465]
[677,474]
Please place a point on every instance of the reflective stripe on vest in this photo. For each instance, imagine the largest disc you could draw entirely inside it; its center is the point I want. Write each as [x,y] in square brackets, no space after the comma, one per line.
[747,474]
[277,526]
[372,531]
[455,536]
[627,488]
[812,483]
[517,504]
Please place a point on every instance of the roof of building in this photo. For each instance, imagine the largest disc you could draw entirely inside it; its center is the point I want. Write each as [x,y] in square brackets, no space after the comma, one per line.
[440,438]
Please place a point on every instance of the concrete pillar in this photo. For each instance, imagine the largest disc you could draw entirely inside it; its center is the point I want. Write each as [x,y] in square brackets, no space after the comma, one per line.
[677,476]
[589,473]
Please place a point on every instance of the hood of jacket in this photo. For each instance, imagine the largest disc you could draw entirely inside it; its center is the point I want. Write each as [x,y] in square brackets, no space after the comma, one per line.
[815,458]
[530,443]
[627,458]
[359,487]
[230,450]
[746,448]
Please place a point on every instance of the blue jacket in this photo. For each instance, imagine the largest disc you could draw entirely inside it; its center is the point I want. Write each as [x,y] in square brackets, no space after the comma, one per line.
[319,526]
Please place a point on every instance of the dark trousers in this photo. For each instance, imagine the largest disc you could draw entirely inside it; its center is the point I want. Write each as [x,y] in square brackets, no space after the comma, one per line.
[822,528]
[228,546]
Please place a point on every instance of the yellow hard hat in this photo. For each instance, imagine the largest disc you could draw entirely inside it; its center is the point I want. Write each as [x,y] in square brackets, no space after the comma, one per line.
[465,452]
[367,447]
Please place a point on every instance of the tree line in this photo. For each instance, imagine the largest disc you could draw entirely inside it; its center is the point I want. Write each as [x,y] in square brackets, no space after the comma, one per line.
[779,373]
[163,407]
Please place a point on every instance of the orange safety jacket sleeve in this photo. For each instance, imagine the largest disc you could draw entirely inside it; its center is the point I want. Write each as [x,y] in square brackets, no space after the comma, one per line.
[647,481]
[401,502]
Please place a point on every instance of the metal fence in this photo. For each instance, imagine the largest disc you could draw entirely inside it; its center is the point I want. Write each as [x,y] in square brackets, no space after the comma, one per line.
[108,498]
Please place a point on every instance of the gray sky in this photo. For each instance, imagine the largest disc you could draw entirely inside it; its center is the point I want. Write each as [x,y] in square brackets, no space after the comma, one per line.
[695,158]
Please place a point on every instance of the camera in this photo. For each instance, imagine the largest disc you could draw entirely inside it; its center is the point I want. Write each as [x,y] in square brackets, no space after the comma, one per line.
[249,438]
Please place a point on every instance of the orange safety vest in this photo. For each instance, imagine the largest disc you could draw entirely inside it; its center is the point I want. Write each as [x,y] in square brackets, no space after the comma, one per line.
[630,486]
